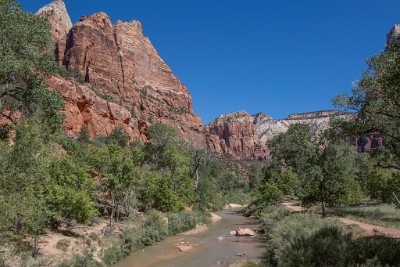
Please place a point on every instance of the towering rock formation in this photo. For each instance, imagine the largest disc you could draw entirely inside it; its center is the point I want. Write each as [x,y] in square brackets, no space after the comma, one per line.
[235,134]
[395,31]
[61,24]
[121,65]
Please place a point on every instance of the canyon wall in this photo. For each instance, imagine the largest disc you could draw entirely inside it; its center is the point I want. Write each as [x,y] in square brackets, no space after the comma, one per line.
[235,134]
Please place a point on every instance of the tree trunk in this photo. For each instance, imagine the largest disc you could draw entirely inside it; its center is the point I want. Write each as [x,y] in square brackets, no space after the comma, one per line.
[322,194]
[397,199]
[196,182]
[112,208]
[35,249]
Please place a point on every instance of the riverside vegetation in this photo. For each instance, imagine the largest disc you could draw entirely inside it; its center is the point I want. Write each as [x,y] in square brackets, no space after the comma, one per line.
[52,183]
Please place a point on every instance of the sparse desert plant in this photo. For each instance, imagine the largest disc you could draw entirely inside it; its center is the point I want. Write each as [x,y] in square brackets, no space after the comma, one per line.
[63,244]
[95,237]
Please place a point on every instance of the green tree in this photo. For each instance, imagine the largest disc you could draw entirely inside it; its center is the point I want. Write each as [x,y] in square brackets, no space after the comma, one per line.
[332,181]
[295,148]
[381,182]
[167,153]
[162,137]
[256,175]
[23,209]
[70,192]
[118,172]
[26,54]
[326,170]
[119,136]
[376,98]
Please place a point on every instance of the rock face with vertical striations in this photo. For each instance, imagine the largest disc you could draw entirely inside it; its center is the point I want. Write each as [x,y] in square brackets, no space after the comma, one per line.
[392,34]
[235,134]
[83,107]
[119,62]
[61,24]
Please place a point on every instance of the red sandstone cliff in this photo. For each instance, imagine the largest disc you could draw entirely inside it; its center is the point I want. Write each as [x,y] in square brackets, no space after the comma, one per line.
[235,134]
[84,107]
[61,24]
[118,61]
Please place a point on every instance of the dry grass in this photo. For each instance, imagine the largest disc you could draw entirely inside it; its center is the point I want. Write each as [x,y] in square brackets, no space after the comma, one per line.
[382,215]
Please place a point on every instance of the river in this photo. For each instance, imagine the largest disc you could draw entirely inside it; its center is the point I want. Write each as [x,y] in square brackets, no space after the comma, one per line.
[214,247]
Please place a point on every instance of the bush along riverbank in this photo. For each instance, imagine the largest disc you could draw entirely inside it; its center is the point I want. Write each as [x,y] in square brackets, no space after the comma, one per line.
[305,239]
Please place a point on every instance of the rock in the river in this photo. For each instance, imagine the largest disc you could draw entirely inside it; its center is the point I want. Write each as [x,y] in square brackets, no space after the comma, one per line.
[185,247]
[244,232]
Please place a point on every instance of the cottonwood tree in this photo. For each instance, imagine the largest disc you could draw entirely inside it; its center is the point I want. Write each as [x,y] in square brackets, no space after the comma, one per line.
[326,173]
[118,173]
[376,98]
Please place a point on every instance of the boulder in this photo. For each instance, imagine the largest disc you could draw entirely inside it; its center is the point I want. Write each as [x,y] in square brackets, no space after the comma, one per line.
[244,232]
[185,247]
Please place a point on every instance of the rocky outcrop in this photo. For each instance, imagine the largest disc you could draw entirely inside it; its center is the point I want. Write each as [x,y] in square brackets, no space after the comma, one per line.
[84,107]
[244,137]
[368,142]
[392,34]
[235,134]
[61,24]
[120,62]
[318,121]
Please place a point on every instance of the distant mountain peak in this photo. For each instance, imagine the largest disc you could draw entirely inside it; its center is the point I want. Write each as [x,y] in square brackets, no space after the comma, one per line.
[58,8]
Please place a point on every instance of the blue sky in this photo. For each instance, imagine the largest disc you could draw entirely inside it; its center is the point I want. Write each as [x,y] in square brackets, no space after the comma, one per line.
[274,56]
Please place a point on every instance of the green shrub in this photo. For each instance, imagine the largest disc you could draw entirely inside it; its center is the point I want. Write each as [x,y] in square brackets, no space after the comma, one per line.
[185,220]
[156,225]
[307,240]
[289,233]
[95,237]
[238,197]
[272,216]
[81,260]
[114,253]
[153,230]
[326,247]
[63,244]
[382,249]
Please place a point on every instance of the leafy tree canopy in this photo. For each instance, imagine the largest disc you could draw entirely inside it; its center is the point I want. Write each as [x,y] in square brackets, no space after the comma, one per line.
[26,53]
[376,97]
